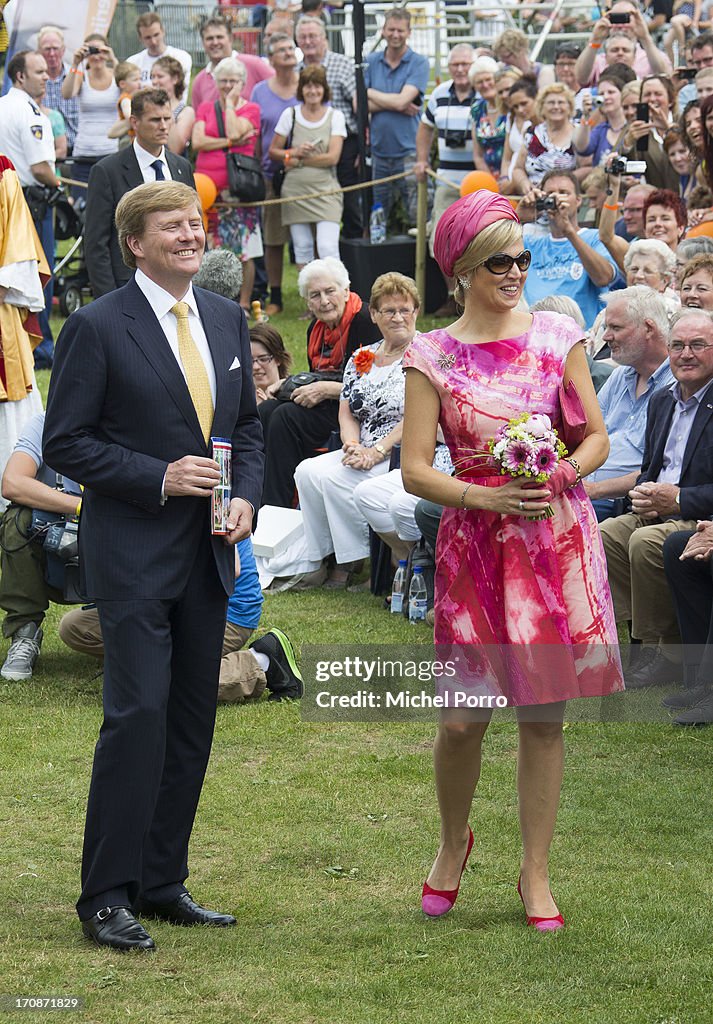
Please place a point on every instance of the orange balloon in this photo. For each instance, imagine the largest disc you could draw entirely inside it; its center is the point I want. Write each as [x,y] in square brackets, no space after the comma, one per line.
[704,230]
[205,187]
[478,179]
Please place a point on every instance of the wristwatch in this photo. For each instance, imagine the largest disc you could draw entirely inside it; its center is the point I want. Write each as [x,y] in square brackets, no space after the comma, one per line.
[381,450]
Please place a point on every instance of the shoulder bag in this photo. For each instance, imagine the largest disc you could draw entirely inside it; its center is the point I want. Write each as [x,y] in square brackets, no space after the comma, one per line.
[245,180]
[279,175]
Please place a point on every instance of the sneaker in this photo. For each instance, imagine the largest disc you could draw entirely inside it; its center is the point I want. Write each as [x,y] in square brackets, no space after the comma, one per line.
[701,713]
[284,680]
[23,653]
[686,698]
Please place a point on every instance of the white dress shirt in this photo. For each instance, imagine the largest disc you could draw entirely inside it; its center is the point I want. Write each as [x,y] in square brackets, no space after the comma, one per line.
[145,160]
[161,302]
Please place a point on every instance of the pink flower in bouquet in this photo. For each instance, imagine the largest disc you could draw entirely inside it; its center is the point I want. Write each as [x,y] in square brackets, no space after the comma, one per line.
[517,457]
[538,425]
[545,459]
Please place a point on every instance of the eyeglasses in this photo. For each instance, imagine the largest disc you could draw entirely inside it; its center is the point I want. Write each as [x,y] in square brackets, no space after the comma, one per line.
[697,347]
[263,360]
[391,314]
[501,263]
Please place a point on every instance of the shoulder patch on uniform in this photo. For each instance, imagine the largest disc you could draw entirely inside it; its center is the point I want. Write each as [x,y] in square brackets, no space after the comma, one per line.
[36,130]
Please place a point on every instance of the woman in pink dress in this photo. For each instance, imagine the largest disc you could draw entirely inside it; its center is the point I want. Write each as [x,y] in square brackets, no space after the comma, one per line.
[521,601]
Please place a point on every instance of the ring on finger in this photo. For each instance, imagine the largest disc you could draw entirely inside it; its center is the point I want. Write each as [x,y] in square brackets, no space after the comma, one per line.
[521,504]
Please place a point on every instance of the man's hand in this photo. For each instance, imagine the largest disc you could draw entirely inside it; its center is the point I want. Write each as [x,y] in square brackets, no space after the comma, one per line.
[655,501]
[419,169]
[641,29]
[240,521]
[601,30]
[700,544]
[192,476]
[591,488]
[560,218]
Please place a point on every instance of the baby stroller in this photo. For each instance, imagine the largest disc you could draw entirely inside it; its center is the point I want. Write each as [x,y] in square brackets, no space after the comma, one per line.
[71,280]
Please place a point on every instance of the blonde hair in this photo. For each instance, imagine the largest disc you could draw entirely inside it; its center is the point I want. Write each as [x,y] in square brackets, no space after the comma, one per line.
[491,240]
[632,88]
[556,89]
[151,197]
[393,284]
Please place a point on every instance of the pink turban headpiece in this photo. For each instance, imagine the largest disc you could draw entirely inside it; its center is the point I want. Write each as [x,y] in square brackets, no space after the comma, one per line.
[463,221]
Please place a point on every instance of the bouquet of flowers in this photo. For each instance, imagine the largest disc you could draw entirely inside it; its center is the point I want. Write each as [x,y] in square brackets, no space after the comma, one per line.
[526,446]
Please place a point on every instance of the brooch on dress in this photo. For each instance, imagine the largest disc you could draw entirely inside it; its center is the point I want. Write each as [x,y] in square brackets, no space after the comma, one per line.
[446,360]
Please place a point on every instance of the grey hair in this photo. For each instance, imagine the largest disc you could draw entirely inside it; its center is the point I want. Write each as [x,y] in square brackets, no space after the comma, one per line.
[47,30]
[652,247]
[329,267]
[642,303]
[559,304]
[461,46]
[275,38]
[310,22]
[686,311]
[221,271]
[691,247]
[231,64]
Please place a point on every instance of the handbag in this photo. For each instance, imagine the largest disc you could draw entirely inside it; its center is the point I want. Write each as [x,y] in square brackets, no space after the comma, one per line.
[245,180]
[300,380]
[279,175]
[573,416]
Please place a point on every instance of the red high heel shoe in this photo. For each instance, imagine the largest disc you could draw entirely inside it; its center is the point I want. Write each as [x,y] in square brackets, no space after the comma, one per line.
[541,924]
[437,902]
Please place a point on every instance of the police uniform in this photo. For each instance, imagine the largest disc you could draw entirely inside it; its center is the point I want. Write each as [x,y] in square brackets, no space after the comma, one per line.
[26,138]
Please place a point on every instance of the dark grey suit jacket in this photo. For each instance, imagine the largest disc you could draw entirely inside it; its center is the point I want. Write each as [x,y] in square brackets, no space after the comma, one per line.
[109,180]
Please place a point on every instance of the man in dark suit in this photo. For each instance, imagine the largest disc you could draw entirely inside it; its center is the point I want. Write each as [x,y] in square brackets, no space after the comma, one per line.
[145,160]
[675,490]
[143,378]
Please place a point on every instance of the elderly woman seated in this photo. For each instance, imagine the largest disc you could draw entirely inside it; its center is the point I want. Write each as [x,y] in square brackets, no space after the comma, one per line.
[294,428]
[370,421]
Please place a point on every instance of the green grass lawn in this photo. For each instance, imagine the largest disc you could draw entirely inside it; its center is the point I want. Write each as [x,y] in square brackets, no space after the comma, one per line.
[319,836]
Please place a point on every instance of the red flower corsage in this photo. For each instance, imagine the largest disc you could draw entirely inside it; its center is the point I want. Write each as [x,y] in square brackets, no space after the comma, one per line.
[363,360]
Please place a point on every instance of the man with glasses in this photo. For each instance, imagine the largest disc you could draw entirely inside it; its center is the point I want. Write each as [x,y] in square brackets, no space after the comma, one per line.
[647,59]
[448,114]
[673,492]
[566,259]
[631,225]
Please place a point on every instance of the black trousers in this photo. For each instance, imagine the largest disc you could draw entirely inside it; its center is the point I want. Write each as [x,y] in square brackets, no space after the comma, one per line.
[292,432]
[691,584]
[348,174]
[428,518]
[161,667]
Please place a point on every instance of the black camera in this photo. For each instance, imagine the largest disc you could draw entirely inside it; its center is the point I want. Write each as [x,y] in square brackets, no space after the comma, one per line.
[546,203]
[93,50]
[454,139]
[620,19]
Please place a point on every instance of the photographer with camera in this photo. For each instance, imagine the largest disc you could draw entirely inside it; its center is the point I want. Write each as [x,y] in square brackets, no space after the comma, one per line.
[30,486]
[566,259]
[622,18]
[644,136]
[598,136]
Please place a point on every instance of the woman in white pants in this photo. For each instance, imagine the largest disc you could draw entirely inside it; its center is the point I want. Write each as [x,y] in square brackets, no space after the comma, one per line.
[370,423]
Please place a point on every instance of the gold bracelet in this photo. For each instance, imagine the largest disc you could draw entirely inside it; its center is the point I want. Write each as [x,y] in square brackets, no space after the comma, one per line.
[462,497]
[575,466]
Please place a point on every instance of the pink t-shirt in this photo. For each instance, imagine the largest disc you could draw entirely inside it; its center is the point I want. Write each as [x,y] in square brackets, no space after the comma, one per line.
[641,65]
[206,91]
[213,163]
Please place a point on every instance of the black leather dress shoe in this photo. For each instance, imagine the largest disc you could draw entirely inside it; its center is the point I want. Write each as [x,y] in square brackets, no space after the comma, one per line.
[117,928]
[700,714]
[652,669]
[183,910]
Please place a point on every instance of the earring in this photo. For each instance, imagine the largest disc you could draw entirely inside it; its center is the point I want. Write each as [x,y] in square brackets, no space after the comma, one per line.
[464,282]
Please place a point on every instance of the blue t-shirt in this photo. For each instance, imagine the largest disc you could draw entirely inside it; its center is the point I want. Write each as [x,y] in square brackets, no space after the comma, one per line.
[245,603]
[556,269]
[393,134]
[30,443]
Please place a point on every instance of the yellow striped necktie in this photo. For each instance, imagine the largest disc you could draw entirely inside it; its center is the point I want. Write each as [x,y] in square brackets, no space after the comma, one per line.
[196,374]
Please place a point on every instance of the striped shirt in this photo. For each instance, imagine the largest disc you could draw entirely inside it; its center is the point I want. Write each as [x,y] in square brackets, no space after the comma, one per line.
[446,113]
[69,109]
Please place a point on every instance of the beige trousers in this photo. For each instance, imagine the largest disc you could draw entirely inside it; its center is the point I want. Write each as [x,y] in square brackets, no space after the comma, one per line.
[634,550]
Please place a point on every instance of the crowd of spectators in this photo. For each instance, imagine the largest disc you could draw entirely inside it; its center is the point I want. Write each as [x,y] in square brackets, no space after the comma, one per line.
[607,153]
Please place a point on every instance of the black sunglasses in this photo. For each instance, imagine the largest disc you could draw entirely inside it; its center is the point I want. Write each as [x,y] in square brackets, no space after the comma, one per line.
[501,263]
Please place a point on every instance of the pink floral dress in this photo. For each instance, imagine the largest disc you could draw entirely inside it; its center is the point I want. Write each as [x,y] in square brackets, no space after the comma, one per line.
[524,605]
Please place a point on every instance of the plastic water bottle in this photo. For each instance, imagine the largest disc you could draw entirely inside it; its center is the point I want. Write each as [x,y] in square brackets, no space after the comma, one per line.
[417,596]
[377,224]
[397,588]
